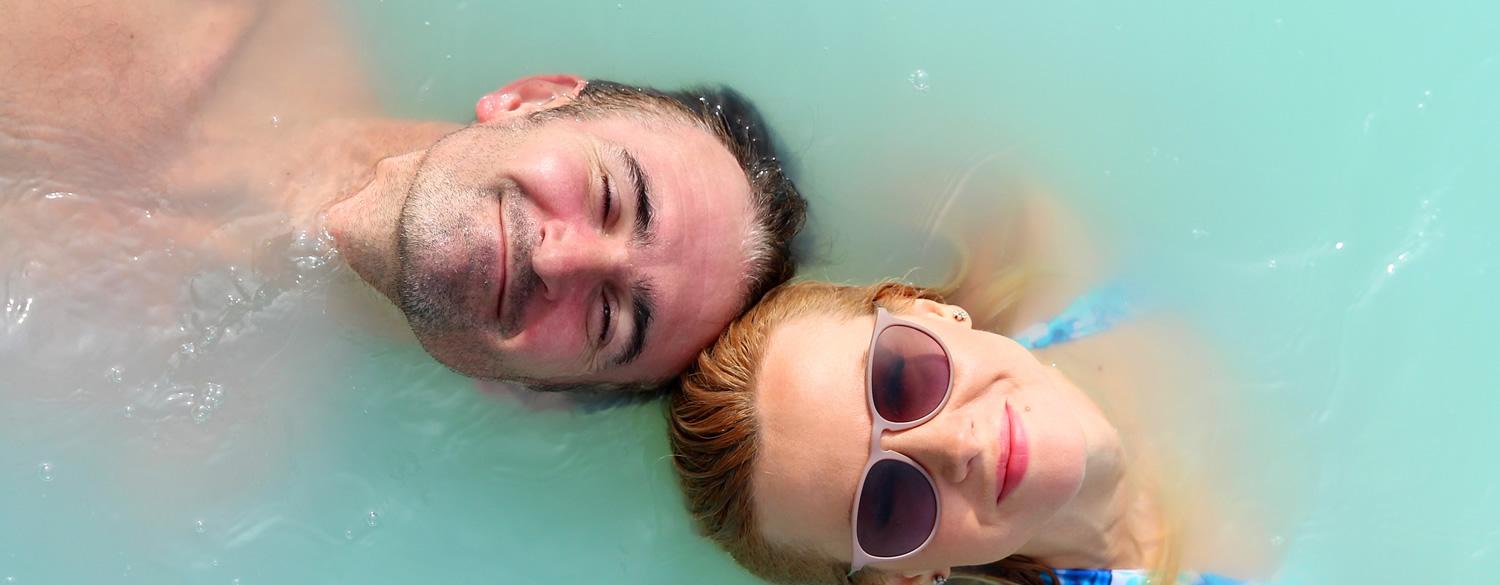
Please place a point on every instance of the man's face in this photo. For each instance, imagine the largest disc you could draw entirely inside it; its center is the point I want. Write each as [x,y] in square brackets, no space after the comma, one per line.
[594,250]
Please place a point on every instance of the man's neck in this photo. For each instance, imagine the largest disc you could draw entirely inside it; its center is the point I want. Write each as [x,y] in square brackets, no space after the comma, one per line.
[335,160]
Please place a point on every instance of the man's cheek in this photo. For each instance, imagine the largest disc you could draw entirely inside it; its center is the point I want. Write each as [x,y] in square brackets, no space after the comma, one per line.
[554,338]
[557,180]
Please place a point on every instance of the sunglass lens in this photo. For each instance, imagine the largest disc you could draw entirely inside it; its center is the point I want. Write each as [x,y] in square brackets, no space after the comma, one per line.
[908,374]
[897,509]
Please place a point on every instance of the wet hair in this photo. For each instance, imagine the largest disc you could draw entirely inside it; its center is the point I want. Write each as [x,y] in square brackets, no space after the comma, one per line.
[714,427]
[777,208]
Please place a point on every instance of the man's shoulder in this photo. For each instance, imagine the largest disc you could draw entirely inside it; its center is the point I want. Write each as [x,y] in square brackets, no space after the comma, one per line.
[92,75]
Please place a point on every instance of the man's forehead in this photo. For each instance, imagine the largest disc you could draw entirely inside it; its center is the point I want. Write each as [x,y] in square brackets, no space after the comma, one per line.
[702,216]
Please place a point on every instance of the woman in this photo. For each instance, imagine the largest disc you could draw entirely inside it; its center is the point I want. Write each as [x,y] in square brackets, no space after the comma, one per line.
[872,435]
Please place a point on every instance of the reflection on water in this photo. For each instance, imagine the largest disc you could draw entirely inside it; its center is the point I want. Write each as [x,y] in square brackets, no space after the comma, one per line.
[1313,197]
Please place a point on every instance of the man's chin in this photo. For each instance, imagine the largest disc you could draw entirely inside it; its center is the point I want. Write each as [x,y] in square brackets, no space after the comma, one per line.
[461,358]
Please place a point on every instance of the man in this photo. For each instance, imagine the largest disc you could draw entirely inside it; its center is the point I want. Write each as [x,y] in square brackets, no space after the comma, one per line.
[579,234]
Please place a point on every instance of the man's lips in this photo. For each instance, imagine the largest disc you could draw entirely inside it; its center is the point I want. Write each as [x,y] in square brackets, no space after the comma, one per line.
[500,270]
[1015,453]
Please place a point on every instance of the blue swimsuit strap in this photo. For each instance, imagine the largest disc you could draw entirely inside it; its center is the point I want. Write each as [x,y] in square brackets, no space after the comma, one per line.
[1092,312]
[1135,577]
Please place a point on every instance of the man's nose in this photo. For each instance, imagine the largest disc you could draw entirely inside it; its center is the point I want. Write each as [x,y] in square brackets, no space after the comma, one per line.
[949,448]
[567,258]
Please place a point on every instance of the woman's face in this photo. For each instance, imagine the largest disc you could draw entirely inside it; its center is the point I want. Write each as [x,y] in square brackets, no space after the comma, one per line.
[815,437]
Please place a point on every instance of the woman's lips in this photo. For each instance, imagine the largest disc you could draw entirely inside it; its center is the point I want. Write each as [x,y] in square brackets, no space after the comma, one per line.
[1010,468]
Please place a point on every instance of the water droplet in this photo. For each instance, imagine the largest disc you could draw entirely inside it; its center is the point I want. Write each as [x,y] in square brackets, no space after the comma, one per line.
[426,23]
[1338,246]
[1390,268]
[129,411]
[449,56]
[348,535]
[372,520]
[275,121]
[46,471]
[199,526]
[1271,264]
[918,80]
[114,375]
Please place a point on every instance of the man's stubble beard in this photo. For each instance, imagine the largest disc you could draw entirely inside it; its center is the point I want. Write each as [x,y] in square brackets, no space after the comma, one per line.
[434,294]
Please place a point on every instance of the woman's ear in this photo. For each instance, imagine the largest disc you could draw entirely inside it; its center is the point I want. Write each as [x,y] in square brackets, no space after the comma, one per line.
[935,309]
[909,578]
[526,95]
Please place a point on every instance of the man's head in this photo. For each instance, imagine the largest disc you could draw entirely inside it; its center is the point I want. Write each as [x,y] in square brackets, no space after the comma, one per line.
[583,233]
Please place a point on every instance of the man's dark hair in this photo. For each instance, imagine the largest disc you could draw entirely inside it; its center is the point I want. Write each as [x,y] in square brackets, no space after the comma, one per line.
[778,210]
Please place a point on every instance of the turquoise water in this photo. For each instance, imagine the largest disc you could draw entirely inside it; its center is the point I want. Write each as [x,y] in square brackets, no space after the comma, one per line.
[1311,187]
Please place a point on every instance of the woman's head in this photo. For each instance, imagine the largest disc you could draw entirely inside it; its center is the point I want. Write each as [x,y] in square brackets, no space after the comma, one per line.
[772,431]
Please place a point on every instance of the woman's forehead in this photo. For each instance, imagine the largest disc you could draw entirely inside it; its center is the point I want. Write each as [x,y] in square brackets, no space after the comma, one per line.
[814,431]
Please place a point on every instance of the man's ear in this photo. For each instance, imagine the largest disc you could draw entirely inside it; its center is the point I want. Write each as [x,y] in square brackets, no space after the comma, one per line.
[526,95]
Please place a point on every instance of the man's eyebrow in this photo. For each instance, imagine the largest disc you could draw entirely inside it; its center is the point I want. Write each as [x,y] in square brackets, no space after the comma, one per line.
[643,300]
[644,211]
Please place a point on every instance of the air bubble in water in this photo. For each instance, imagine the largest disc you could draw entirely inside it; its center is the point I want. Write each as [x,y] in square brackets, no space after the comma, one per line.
[115,375]
[199,526]
[918,80]
[129,411]
[275,121]
[348,535]
[372,520]
[45,471]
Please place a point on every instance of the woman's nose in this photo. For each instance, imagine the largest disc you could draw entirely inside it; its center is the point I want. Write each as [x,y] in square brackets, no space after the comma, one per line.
[949,448]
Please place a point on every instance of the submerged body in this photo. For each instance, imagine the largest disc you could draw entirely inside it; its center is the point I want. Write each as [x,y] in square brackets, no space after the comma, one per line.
[157,167]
